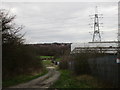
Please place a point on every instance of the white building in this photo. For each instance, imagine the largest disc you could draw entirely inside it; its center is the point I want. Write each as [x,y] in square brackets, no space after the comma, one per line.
[106,47]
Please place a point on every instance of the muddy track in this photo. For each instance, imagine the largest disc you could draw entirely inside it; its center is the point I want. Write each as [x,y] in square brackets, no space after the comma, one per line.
[42,82]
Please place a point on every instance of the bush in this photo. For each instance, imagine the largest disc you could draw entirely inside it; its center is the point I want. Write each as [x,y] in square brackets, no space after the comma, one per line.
[21,60]
[64,62]
[77,63]
[81,64]
[17,58]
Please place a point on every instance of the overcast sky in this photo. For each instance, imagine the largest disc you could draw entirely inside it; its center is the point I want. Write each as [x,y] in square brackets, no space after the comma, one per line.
[63,21]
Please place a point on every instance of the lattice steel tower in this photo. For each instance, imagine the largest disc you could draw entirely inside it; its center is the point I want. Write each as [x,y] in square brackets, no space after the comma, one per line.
[96,26]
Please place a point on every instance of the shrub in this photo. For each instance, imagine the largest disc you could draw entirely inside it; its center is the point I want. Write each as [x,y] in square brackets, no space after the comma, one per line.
[81,64]
[17,58]
[21,60]
[64,62]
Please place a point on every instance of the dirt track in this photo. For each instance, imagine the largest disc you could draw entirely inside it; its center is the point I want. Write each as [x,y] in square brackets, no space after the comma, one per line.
[42,82]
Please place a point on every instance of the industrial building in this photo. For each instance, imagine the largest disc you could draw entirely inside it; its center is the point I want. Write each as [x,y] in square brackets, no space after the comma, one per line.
[110,47]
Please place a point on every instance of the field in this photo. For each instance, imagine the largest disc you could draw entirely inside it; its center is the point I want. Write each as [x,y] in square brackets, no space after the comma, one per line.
[46,56]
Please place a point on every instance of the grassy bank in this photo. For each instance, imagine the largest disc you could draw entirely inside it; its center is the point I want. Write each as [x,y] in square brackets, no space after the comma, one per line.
[21,79]
[67,80]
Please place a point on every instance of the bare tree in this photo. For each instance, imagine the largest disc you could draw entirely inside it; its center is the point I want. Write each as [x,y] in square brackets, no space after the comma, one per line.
[10,33]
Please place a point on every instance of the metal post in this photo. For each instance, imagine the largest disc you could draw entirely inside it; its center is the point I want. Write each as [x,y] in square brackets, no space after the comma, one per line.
[118,55]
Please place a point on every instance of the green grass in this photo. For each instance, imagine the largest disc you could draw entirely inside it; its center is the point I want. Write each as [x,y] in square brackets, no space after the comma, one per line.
[47,63]
[46,56]
[67,80]
[58,59]
[21,79]
[42,57]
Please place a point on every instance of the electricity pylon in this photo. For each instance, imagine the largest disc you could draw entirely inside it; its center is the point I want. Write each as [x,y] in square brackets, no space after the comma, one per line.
[96,26]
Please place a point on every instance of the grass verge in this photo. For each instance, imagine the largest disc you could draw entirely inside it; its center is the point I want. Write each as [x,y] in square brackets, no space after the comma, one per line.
[21,79]
[67,80]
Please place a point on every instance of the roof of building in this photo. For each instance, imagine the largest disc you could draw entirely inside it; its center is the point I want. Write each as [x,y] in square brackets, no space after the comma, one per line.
[107,45]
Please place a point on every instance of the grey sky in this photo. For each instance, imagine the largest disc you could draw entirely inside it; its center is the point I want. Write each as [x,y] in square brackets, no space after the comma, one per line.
[63,21]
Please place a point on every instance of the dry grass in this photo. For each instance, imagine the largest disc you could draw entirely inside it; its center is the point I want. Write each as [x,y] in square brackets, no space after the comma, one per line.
[93,82]
[89,80]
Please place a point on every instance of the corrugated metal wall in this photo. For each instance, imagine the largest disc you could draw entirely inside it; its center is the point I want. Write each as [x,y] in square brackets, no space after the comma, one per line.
[106,69]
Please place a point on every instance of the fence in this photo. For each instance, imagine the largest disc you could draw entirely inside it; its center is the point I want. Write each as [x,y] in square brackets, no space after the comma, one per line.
[106,69]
